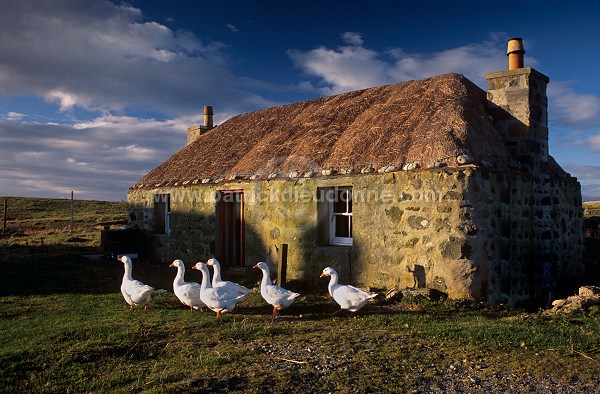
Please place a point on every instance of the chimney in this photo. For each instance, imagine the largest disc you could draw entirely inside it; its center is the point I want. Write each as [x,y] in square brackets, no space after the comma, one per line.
[208,117]
[196,131]
[515,52]
[521,92]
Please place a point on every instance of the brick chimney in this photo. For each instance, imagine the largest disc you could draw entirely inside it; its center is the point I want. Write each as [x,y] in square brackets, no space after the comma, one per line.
[196,131]
[521,91]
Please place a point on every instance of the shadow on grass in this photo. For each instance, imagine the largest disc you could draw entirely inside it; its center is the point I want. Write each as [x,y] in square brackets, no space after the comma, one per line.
[74,273]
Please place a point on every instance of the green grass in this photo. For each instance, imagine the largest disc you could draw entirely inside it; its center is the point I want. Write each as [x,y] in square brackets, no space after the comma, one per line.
[65,328]
[76,334]
[42,226]
[591,208]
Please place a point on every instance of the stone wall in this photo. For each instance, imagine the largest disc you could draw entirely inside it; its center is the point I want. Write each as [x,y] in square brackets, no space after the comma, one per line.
[532,245]
[464,231]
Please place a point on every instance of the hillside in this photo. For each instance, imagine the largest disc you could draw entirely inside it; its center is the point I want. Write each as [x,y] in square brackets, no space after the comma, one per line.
[591,208]
[43,225]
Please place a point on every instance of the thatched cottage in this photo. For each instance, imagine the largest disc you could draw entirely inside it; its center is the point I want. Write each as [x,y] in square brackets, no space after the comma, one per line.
[428,183]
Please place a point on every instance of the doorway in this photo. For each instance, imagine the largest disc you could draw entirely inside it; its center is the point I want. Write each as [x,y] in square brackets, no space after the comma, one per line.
[229,242]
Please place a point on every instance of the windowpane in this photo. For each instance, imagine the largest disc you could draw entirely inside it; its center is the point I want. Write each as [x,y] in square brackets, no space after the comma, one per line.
[342,202]
[339,206]
[342,226]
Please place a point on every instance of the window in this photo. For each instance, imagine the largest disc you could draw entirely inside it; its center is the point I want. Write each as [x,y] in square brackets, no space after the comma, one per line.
[162,213]
[335,216]
[340,217]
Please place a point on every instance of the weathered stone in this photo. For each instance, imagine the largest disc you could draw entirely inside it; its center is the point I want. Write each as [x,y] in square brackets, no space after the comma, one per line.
[404,197]
[453,195]
[441,224]
[394,295]
[275,233]
[589,291]
[468,228]
[418,222]
[455,249]
[464,159]
[394,214]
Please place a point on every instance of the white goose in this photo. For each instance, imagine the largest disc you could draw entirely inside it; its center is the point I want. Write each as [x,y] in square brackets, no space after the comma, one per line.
[231,286]
[277,296]
[187,292]
[134,291]
[217,299]
[348,297]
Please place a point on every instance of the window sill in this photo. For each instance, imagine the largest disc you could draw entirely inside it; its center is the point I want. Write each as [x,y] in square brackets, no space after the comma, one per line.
[340,244]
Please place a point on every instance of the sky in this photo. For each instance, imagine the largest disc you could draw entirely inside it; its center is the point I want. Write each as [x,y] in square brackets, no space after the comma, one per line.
[96,93]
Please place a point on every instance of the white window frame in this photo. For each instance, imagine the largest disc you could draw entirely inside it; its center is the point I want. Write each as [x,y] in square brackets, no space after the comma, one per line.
[333,239]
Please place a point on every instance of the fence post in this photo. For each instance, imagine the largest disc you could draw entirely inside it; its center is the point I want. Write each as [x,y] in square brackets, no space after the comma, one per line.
[72,213]
[5,213]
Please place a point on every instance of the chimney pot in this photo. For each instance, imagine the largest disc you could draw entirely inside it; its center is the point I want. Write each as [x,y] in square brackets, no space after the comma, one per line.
[515,52]
[208,116]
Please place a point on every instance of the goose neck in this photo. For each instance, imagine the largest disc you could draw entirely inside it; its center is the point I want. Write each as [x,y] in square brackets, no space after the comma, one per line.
[127,274]
[216,273]
[205,278]
[333,282]
[266,279]
[180,275]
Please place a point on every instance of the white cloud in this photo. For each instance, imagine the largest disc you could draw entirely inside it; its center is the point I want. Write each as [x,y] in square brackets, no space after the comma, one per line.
[14,116]
[104,57]
[582,171]
[352,38]
[592,142]
[566,106]
[354,66]
[99,158]
[232,28]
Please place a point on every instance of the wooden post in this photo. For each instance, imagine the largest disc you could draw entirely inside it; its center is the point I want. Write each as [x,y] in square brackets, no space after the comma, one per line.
[72,213]
[5,213]
[282,271]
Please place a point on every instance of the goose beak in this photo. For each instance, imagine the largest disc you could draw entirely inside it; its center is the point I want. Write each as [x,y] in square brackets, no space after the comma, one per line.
[255,266]
[172,265]
[322,275]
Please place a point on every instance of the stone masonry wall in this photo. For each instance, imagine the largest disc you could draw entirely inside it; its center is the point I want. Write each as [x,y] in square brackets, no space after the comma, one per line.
[532,245]
[463,231]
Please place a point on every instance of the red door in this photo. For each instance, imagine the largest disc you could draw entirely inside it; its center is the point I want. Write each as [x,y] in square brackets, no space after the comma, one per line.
[229,242]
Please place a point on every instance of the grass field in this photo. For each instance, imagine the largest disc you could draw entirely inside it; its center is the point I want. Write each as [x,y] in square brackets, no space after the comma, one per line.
[65,328]
[591,208]
[42,226]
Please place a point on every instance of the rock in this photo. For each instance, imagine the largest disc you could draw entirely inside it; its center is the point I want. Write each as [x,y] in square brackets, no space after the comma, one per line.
[437,164]
[411,166]
[589,291]
[394,295]
[558,303]
[423,293]
[588,296]
[464,159]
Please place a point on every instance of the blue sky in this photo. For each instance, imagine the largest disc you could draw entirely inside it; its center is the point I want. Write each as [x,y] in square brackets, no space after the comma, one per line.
[94,94]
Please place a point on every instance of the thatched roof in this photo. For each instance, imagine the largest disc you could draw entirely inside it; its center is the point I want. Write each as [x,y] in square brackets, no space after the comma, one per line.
[424,120]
